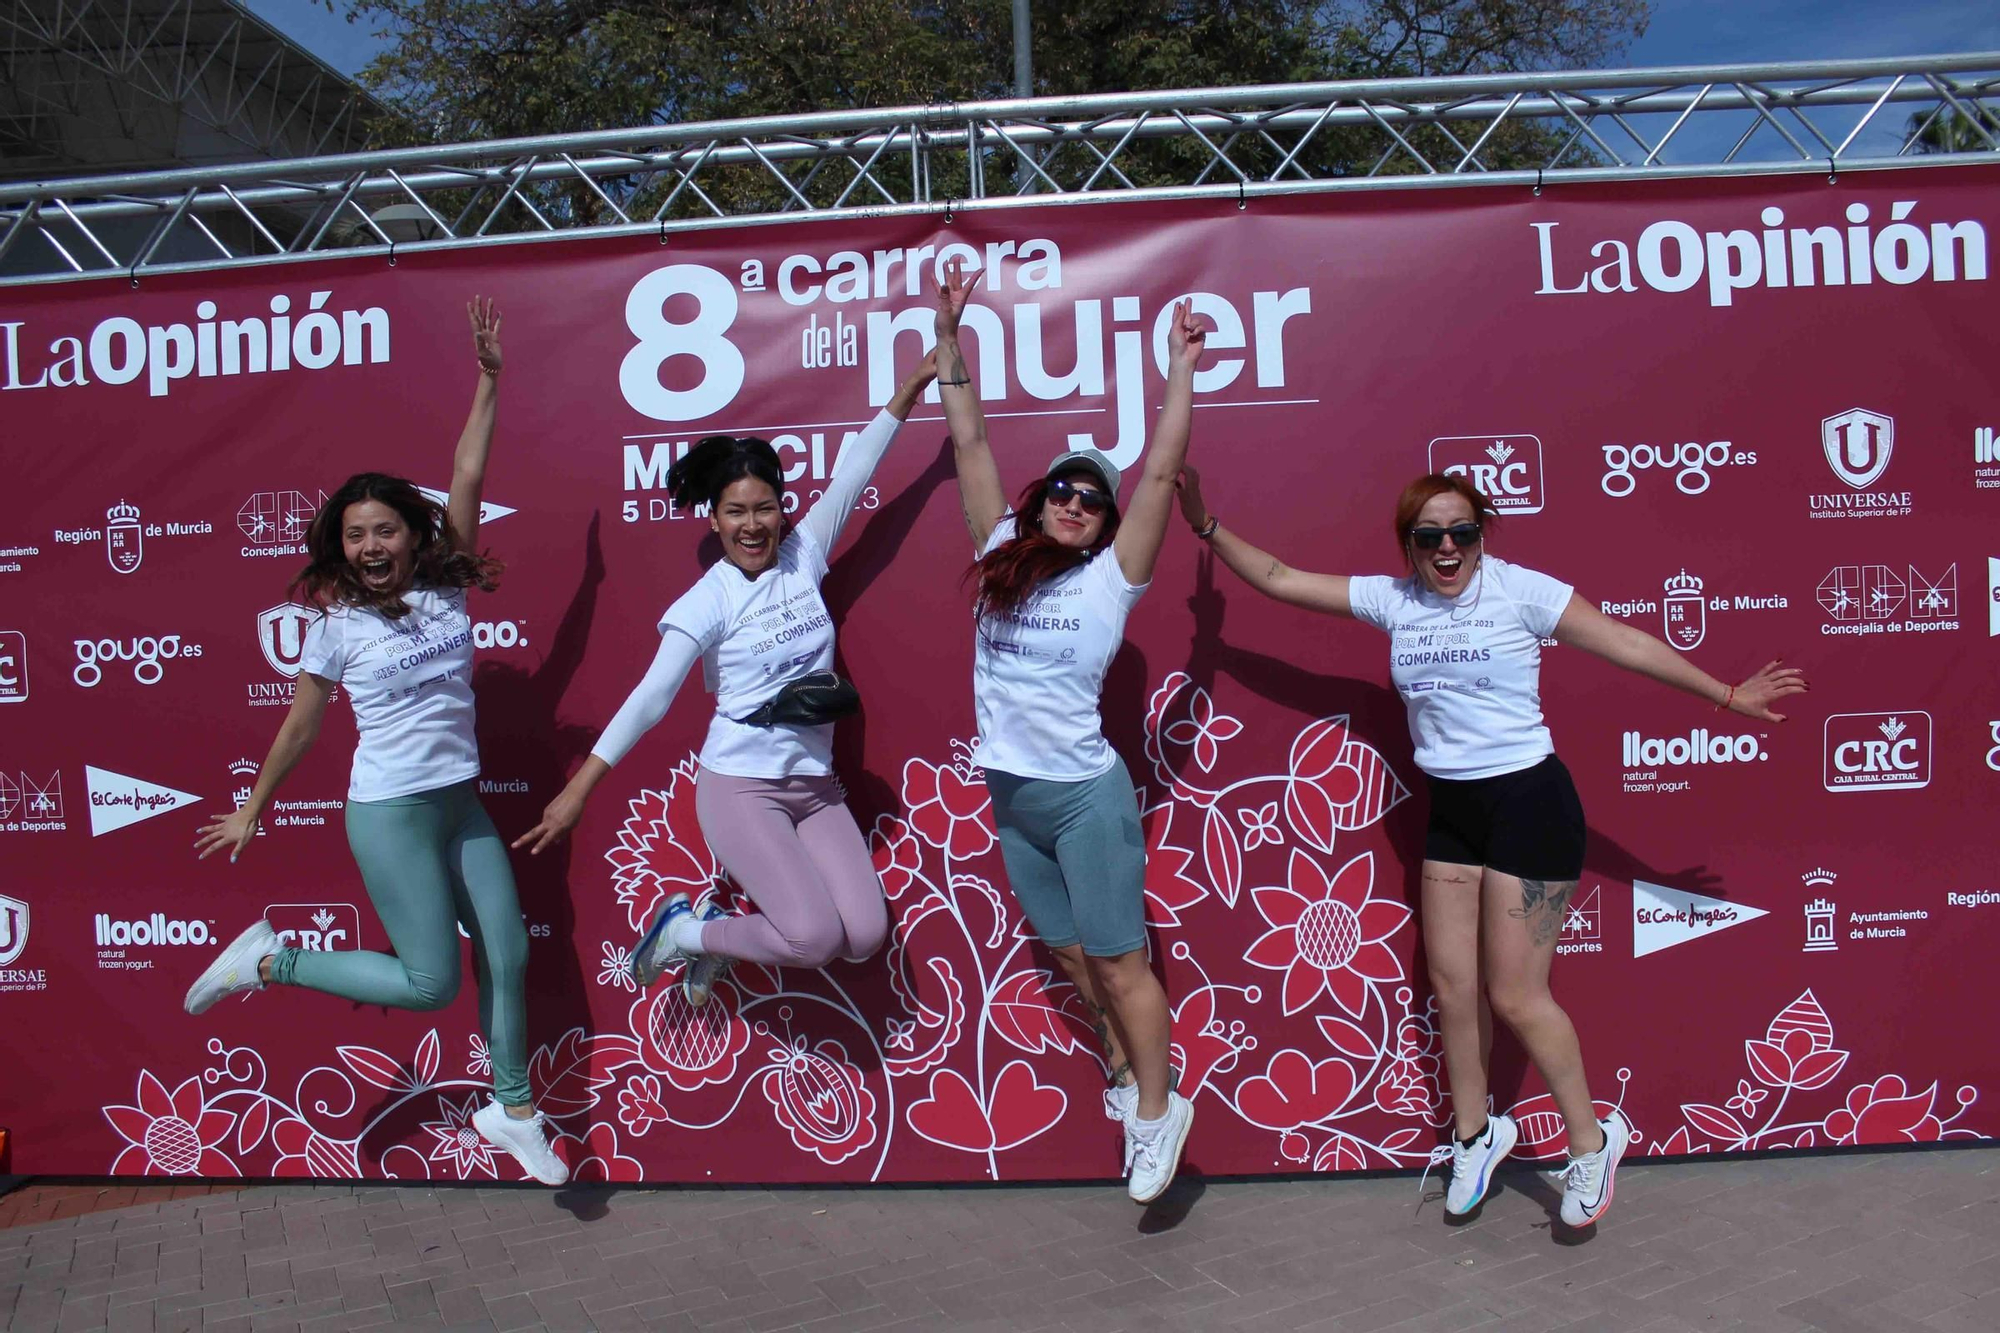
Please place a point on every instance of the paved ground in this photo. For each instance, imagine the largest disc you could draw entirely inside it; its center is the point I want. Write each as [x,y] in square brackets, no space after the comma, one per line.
[1864,1243]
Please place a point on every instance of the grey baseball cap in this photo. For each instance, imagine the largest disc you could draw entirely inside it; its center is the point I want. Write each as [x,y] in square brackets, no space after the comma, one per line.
[1087,460]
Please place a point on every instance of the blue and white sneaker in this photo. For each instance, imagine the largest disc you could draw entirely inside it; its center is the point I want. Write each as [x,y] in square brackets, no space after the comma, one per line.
[705,969]
[1472,1168]
[656,952]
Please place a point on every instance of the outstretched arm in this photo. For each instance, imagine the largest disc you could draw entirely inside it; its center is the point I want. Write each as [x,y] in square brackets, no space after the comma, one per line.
[1145,520]
[468,461]
[858,461]
[1261,570]
[639,714]
[1584,626]
[295,736]
[979,488]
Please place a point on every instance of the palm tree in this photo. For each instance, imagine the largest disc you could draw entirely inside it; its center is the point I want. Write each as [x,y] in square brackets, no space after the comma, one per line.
[1950,130]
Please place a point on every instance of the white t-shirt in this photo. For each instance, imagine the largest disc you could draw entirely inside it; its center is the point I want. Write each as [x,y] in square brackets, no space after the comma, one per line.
[1469,668]
[410,682]
[755,635]
[1038,672]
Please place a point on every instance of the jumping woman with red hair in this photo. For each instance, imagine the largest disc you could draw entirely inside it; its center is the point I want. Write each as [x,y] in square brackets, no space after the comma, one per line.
[1058,572]
[1504,848]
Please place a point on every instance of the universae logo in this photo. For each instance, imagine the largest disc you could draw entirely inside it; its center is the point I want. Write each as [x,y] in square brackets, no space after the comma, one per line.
[1877,751]
[1507,469]
[13,928]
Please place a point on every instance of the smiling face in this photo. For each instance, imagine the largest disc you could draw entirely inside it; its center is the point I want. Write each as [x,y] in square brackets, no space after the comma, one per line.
[379,545]
[1446,569]
[749,519]
[1069,522]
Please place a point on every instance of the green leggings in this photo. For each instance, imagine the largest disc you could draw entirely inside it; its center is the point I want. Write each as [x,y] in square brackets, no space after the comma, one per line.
[431,861]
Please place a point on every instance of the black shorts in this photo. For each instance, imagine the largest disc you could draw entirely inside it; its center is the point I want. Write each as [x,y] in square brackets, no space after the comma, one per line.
[1528,823]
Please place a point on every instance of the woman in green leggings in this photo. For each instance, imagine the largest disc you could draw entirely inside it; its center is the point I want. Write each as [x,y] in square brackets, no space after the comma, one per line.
[390,571]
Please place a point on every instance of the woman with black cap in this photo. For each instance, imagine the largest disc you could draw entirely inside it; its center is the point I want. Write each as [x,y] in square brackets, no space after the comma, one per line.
[1058,572]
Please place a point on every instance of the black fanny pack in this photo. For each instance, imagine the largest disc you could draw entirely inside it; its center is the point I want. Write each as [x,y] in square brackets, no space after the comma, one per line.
[809,701]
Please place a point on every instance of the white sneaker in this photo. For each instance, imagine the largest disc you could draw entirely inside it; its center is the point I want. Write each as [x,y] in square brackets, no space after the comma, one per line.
[704,969]
[1472,1168]
[1121,1101]
[656,952]
[1153,1152]
[1587,1179]
[526,1141]
[235,968]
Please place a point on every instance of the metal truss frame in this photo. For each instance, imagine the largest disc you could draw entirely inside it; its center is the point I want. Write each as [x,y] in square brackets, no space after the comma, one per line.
[209,61]
[1534,129]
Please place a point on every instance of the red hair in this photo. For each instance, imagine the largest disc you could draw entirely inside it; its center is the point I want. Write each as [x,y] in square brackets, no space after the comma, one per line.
[1011,571]
[1427,488]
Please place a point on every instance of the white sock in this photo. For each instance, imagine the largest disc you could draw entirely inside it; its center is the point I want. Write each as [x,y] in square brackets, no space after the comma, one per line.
[1148,1126]
[684,933]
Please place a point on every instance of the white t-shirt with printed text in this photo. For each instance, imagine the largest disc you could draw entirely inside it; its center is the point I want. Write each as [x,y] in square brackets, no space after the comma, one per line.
[1038,672]
[410,683]
[755,636]
[1469,668]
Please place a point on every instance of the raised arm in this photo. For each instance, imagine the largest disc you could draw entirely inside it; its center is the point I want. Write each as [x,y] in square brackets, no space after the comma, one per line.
[1261,570]
[468,461]
[295,736]
[639,714]
[979,489]
[1144,523]
[1584,626]
[858,461]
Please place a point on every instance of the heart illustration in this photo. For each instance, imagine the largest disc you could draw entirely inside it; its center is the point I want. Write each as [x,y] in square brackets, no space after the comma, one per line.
[952,1115]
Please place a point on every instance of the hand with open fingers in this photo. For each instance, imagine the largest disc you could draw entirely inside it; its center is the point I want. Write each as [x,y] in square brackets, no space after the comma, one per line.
[1186,337]
[952,294]
[1193,508]
[558,818]
[485,333]
[236,832]
[1753,698]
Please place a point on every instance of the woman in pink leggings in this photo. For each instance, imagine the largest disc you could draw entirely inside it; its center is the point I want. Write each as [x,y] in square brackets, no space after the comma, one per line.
[769,804]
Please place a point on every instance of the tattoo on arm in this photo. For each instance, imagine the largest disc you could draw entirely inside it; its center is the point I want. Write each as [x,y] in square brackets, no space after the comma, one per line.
[1543,903]
[1272,572]
[951,363]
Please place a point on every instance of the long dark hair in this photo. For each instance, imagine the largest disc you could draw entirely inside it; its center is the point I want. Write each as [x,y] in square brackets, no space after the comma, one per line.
[328,579]
[1011,571]
[702,474]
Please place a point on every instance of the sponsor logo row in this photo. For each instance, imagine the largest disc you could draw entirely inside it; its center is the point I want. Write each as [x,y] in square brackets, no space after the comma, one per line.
[116,940]
[1664,917]
[271,524]
[116,800]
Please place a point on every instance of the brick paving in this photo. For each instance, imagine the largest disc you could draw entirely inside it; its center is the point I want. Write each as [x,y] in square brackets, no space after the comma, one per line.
[1860,1243]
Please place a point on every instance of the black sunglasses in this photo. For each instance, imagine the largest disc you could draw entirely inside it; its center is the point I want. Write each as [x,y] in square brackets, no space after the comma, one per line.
[1429,539]
[1062,490]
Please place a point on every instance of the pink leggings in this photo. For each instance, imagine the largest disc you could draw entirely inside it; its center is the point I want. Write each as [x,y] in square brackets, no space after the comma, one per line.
[792,846]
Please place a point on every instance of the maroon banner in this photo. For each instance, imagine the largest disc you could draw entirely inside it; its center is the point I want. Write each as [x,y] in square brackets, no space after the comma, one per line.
[1754,417]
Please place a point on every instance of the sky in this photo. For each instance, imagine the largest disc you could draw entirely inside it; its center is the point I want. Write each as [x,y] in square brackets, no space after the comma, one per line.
[1682,32]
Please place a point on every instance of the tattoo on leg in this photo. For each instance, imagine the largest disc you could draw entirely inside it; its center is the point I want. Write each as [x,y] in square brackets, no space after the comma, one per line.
[1542,907]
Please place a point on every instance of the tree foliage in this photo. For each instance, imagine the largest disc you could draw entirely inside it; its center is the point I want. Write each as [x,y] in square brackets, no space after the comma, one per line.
[468,70]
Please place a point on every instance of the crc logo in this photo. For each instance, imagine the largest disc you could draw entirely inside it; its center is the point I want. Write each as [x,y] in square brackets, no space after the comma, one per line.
[13,928]
[1507,469]
[1858,444]
[13,666]
[1688,461]
[1873,751]
[281,633]
[318,926]
[144,652]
